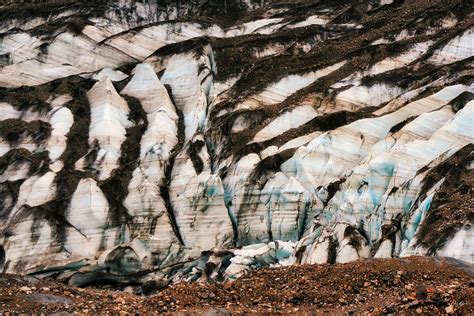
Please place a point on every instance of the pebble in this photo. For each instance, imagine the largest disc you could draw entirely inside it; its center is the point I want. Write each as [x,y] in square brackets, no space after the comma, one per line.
[421,292]
[217,312]
[449,309]
[228,285]
[414,303]
[128,290]
[49,299]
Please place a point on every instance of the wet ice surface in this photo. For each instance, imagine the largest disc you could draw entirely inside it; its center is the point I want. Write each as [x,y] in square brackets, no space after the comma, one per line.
[153,161]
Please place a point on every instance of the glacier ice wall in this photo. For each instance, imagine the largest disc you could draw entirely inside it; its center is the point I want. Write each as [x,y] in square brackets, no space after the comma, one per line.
[142,139]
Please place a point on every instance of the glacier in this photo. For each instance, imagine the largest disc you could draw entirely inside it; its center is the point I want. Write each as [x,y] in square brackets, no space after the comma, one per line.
[185,142]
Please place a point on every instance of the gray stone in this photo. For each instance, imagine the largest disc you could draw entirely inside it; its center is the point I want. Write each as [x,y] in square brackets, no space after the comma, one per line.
[217,312]
[49,299]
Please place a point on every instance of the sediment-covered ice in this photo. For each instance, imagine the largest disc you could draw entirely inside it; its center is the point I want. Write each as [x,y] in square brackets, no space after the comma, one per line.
[144,201]
[460,47]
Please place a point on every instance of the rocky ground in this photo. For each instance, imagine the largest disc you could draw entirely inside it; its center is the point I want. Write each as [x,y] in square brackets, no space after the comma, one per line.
[376,286]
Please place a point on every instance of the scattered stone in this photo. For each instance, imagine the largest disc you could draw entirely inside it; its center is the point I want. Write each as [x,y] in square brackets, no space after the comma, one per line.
[128,290]
[217,312]
[421,292]
[413,303]
[49,299]
[154,286]
[449,309]
[228,285]
[389,309]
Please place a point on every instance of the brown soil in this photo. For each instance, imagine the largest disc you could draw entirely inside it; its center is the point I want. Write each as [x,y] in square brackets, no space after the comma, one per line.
[375,286]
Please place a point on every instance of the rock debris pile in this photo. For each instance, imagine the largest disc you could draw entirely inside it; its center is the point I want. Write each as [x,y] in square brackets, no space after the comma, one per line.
[413,285]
